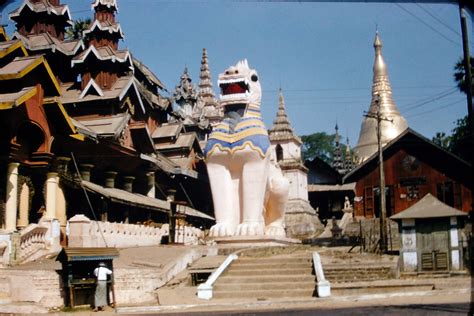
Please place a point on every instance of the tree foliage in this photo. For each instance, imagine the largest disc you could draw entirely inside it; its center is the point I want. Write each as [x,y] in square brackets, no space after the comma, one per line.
[318,145]
[459,144]
[458,141]
[76,31]
[460,75]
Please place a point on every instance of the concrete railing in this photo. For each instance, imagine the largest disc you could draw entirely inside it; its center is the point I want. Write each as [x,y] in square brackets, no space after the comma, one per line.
[205,289]
[323,285]
[84,232]
[31,243]
[4,252]
[187,235]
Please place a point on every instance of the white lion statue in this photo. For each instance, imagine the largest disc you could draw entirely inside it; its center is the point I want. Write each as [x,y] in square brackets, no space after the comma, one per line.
[249,191]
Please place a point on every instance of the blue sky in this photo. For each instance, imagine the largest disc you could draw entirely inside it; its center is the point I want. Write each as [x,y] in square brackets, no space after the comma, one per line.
[320,54]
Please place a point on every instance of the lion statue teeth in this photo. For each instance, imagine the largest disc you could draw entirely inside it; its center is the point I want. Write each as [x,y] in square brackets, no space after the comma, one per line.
[249,191]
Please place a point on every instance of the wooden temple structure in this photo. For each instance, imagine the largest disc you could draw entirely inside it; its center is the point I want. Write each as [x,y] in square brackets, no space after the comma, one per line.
[82,114]
[414,166]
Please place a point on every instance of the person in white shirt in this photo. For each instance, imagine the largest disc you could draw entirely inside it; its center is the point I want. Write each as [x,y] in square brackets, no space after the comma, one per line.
[100,297]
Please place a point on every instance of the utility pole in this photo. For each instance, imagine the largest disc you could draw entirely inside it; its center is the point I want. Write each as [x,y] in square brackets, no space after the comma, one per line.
[383,209]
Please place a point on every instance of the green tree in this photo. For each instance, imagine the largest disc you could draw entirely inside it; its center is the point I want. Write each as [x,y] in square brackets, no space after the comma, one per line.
[442,140]
[460,138]
[459,144]
[318,145]
[76,31]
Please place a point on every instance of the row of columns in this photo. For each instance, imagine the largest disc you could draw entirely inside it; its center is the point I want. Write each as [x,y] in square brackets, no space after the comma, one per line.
[110,177]
[11,205]
[53,207]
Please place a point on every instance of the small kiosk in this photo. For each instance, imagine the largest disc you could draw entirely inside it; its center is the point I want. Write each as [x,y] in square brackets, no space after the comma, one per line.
[78,272]
[430,236]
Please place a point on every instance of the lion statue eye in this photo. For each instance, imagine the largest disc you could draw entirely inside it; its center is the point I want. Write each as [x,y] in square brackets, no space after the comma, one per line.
[254,78]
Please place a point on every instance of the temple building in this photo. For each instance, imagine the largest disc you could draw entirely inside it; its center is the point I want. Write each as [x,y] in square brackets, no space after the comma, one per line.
[414,166]
[196,109]
[86,124]
[300,218]
[393,124]
[32,122]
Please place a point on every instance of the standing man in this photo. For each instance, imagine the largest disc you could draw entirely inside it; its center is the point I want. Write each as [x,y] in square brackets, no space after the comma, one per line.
[100,297]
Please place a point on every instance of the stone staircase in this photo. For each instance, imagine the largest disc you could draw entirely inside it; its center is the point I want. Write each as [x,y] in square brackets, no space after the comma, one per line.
[355,273]
[267,278]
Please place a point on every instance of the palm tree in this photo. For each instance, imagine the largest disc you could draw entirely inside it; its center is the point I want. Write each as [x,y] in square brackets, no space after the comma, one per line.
[459,74]
[76,31]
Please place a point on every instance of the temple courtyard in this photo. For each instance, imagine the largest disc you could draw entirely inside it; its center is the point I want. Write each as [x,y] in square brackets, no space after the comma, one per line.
[357,280]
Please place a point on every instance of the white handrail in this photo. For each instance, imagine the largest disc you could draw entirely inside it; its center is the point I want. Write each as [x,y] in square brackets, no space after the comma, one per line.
[205,289]
[323,285]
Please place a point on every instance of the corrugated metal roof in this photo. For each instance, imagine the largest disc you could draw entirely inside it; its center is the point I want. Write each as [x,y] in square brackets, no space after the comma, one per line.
[17,65]
[89,254]
[46,41]
[167,130]
[69,94]
[185,140]
[428,207]
[148,73]
[331,187]
[110,126]
[9,100]
[192,212]
[128,198]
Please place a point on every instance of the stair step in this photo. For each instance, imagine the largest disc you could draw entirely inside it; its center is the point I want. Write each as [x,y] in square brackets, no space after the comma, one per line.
[227,279]
[263,294]
[274,272]
[306,285]
[282,265]
[274,260]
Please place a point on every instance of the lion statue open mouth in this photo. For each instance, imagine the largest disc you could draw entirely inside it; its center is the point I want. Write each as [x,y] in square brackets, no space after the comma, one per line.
[249,191]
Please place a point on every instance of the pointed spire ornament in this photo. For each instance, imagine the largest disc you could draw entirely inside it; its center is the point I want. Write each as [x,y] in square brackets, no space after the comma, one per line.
[281,129]
[206,93]
[381,96]
[337,162]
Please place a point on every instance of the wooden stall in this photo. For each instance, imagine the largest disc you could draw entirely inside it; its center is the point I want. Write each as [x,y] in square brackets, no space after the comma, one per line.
[78,273]
[431,239]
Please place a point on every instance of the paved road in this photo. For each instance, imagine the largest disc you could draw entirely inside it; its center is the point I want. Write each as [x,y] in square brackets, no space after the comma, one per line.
[433,309]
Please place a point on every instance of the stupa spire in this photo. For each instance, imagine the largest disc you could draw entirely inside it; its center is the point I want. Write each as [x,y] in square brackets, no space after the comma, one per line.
[206,93]
[281,128]
[337,162]
[381,96]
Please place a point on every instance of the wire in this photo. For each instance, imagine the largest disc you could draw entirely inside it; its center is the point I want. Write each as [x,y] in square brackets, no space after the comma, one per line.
[435,109]
[87,197]
[434,98]
[438,19]
[427,25]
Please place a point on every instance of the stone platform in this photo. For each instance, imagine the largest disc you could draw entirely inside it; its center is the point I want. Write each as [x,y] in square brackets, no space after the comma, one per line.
[249,241]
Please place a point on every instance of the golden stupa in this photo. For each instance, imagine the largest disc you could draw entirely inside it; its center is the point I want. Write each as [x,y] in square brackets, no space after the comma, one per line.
[381,93]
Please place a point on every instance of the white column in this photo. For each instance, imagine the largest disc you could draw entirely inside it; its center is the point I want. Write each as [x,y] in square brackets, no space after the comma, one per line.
[51,195]
[151,184]
[454,234]
[11,205]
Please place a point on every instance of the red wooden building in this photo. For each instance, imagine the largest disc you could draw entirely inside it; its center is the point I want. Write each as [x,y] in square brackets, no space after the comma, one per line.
[414,166]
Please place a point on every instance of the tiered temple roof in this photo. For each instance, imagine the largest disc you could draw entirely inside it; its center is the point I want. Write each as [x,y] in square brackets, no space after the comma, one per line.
[337,159]
[348,158]
[41,25]
[381,96]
